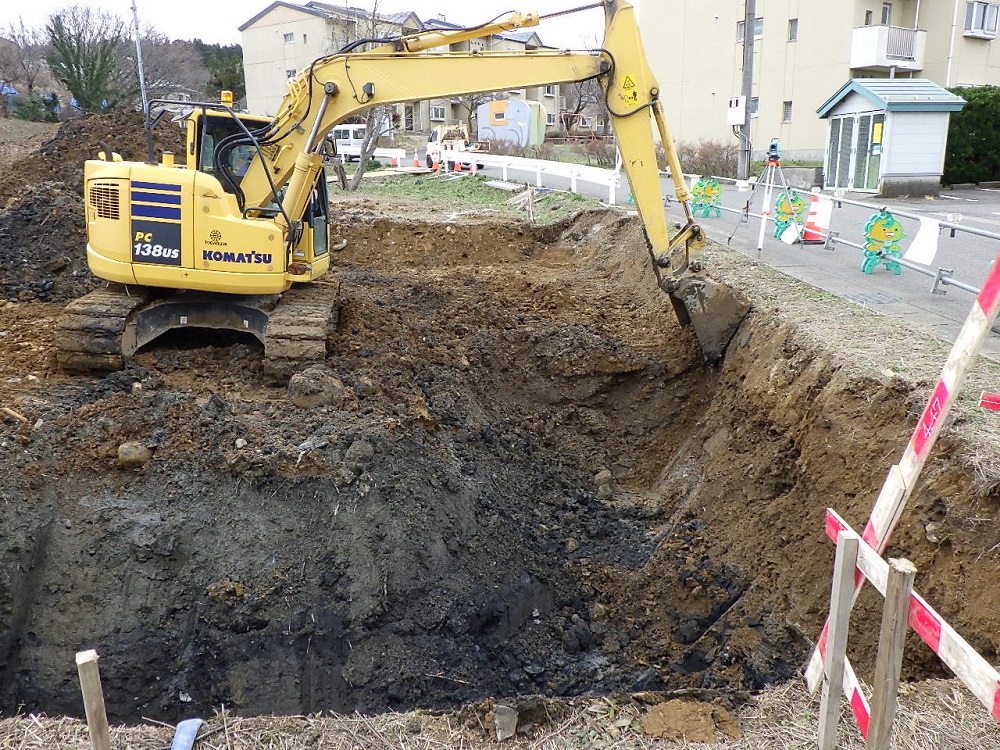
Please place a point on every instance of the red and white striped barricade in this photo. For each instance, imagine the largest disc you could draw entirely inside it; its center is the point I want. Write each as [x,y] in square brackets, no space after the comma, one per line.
[973,670]
[903,476]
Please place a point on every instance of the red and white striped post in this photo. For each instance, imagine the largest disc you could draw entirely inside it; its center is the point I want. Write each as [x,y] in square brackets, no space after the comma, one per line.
[903,476]
[982,679]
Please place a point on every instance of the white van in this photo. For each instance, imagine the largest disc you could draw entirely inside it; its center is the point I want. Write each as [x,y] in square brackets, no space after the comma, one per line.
[348,139]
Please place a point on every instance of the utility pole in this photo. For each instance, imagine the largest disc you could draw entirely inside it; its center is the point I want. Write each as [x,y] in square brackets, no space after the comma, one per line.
[749,21]
[138,59]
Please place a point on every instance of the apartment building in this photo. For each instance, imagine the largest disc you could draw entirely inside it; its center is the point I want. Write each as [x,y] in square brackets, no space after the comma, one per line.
[804,52]
[285,37]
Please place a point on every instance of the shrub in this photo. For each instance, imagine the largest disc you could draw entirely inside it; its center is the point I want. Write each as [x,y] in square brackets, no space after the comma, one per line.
[973,150]
[37,108]
[715,158]
[598,152]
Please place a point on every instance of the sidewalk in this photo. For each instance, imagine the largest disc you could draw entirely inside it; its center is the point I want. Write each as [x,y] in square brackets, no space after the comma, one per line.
[838,270]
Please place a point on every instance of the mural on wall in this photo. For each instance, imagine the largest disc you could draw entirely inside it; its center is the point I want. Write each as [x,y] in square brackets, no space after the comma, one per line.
[512,120]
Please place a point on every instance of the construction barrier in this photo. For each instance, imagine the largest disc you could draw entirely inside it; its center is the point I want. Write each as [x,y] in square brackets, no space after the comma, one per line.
[903,476]
[990,401]
[817,221]
[982,679]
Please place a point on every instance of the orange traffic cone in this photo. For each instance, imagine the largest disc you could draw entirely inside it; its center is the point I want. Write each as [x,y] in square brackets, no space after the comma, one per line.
[393,162]
[819,214]
[416,158]
[435,163]
[457,166]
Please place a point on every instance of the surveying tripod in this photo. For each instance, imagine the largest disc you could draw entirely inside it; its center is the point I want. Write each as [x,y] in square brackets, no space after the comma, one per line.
[772,172]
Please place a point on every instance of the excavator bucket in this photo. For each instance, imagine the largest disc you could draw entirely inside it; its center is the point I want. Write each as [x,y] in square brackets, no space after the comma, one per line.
[713,309]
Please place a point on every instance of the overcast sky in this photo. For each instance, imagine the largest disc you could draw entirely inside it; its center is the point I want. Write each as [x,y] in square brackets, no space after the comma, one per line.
[218,21]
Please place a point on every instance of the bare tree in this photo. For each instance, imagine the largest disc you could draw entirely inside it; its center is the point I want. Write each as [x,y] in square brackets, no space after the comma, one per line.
[581,96]
[22,61]
[170,67]
[470,103]
[378,119]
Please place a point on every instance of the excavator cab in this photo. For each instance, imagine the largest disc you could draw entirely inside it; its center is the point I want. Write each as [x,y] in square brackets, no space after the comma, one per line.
[212,129]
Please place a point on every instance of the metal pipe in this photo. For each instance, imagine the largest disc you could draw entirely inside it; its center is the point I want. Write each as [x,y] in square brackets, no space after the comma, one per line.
[746,146]
[138,59]
[951,45]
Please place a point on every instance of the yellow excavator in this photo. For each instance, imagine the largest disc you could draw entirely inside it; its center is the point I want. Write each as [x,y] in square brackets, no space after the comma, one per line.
[231,237]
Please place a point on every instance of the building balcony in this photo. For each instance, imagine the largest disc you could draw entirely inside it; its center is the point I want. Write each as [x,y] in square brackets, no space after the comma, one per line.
[885,47]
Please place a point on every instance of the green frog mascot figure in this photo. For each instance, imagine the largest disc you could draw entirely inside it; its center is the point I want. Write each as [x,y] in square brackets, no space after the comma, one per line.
[882,235]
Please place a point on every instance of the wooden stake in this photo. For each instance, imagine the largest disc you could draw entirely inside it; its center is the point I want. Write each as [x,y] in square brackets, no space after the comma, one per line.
[93,699]
[895,618]
[836,643]
[17,415]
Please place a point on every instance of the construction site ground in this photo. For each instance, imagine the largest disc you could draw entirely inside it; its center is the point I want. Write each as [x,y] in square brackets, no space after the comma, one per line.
[515,483]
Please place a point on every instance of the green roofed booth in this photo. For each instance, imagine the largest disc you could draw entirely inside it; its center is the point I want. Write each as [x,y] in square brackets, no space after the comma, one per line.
[887,136]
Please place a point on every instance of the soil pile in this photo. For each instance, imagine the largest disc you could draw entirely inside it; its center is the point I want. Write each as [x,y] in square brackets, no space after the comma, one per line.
[43,237]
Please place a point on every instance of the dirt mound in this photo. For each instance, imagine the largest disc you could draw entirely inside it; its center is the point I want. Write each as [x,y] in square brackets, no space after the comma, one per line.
[43,245]
[42,226]
[60,159]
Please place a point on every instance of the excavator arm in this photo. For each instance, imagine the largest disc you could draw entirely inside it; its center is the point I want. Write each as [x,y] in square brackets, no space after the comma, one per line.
[337,87]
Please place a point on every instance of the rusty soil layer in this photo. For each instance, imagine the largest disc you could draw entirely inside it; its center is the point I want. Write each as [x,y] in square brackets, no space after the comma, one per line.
[522,479]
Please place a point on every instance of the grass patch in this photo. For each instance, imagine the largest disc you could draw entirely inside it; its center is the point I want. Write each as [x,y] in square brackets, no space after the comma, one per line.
[470,194]
[12,129]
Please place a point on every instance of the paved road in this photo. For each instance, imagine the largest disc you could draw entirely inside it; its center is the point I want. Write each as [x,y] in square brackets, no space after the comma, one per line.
[838,270]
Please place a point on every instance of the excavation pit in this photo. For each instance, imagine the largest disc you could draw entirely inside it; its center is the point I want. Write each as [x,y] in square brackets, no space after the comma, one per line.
[519,478]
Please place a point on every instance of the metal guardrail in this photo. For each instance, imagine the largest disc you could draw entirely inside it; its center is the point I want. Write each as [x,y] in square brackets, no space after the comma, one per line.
[942,276]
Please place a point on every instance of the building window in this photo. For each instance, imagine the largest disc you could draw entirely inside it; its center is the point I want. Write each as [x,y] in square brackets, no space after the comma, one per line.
[437,114]
[289,38]
[786,112]
[758,29]
[886,14]
[550,91]
[290,73]
[793,29]
[868,18]
[754,106]
[550,119]
[981,19]
[584,122]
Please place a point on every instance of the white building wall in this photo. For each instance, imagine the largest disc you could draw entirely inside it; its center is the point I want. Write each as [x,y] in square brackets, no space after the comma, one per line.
[692,49]
[270,57]
[916,143]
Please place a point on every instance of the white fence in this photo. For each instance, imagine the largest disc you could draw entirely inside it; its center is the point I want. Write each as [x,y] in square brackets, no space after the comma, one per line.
[575,173]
